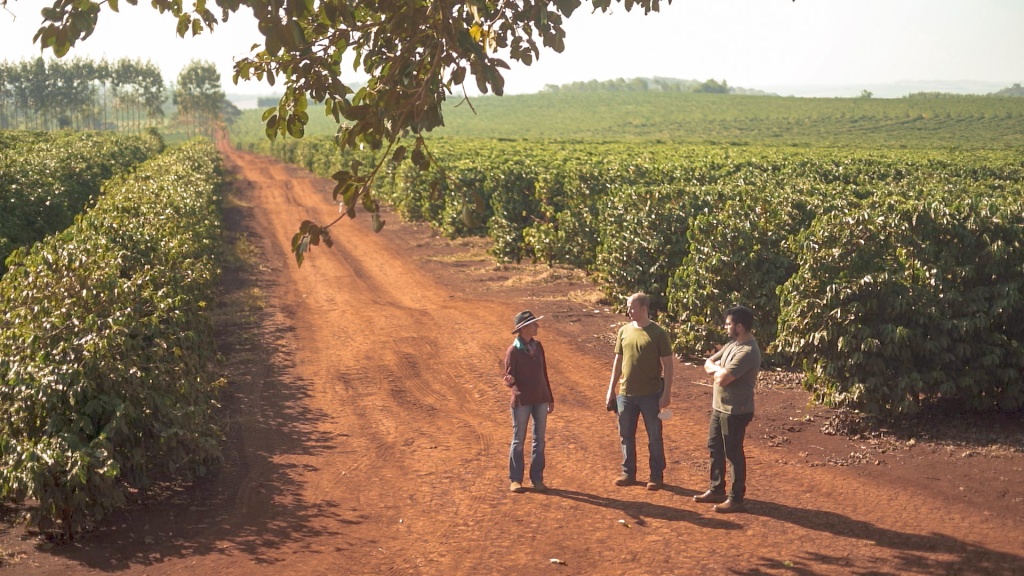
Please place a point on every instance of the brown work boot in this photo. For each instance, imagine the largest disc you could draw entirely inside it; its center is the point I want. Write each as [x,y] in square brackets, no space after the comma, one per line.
[625,480]
[730,505]
[710,497]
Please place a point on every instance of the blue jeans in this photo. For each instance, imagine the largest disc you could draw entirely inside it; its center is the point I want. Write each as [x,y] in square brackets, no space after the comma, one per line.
[725,440]
[520,419]
[630,409]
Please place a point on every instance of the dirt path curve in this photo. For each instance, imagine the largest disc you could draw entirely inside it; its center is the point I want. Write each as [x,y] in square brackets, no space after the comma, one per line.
[369,435]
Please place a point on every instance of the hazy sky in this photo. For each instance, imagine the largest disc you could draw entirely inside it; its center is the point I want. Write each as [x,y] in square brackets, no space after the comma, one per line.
[763,44]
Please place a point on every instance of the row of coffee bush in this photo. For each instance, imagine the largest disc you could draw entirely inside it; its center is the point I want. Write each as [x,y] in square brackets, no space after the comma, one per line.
[106,379]
[890,277]
[47,178]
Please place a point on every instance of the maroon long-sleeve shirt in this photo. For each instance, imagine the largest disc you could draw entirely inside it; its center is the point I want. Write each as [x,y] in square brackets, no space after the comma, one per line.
[526,363]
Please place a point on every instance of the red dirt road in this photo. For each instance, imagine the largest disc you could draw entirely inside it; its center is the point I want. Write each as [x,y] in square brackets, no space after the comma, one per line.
[369,434]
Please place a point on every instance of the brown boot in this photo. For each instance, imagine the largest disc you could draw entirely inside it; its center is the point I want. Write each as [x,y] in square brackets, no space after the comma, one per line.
[729,506]
[710,497]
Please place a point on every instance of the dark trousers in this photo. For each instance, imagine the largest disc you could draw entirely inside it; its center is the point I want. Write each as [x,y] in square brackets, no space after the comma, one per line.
[725,440]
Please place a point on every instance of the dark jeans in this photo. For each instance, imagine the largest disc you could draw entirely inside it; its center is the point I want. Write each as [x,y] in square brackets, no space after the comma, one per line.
[630,410]
[725,440]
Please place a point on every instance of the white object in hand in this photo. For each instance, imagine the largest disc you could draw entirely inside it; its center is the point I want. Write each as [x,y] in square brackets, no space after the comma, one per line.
[665,414]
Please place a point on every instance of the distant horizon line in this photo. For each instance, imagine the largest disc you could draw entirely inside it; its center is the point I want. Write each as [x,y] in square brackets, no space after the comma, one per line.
[809,89]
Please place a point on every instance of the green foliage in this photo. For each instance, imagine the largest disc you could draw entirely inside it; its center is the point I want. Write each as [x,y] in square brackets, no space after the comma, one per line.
[705,227]
[713,86]
[1013,91]
[106,383]
[623,85]
[414,54]
[38,94]
[968,123]
[46,179]
[199,97]
[417,195]
[913,297]
[741,241]
[567,231]
[739,254]
[512,192]
[643,239]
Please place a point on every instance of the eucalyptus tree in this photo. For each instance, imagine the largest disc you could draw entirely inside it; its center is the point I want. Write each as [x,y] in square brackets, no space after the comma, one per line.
[71,97]
[104,77]
[81,91]
[6,100]
[139,89]
[126,94]
[71,91]
[151,90]
[198,95]
[16,94]
[37,91]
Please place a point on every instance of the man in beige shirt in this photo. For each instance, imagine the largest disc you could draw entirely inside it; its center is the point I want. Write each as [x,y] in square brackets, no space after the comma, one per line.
[734,370]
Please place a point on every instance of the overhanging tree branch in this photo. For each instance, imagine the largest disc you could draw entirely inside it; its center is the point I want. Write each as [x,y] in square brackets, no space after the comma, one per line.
[414,53]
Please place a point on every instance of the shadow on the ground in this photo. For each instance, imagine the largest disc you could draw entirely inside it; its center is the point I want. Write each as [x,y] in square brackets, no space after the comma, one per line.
[639,511]
[915,553]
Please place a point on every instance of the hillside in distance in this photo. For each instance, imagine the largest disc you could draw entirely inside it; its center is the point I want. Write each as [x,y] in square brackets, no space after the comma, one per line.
[939,121]
[953,122]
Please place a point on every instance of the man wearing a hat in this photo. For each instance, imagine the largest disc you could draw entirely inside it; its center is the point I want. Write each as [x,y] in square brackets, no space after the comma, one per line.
[526,374]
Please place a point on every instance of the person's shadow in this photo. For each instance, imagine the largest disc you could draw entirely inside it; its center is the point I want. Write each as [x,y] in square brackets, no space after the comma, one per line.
[916,553]
[639,511]
[933,553]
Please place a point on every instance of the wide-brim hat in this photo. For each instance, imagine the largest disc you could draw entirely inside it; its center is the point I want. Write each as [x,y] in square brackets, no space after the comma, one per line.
[523,318]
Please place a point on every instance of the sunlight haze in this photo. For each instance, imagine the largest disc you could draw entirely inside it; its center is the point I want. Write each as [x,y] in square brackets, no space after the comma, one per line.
[804,48]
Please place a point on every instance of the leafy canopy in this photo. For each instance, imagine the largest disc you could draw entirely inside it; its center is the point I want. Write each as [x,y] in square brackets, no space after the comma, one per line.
[414,52]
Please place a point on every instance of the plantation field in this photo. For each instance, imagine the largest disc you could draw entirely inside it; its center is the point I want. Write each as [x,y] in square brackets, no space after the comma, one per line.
[366,427]
[878,241]
[960,123]
[855,260]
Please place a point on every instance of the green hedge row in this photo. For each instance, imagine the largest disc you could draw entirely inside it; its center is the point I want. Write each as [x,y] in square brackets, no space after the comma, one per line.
[701,228]
[47,178]
[911,297]
[105,382]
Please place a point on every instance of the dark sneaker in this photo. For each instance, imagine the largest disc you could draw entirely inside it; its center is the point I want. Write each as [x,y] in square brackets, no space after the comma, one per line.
[730,505]
[540,487]
[710,497]
[625,480]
